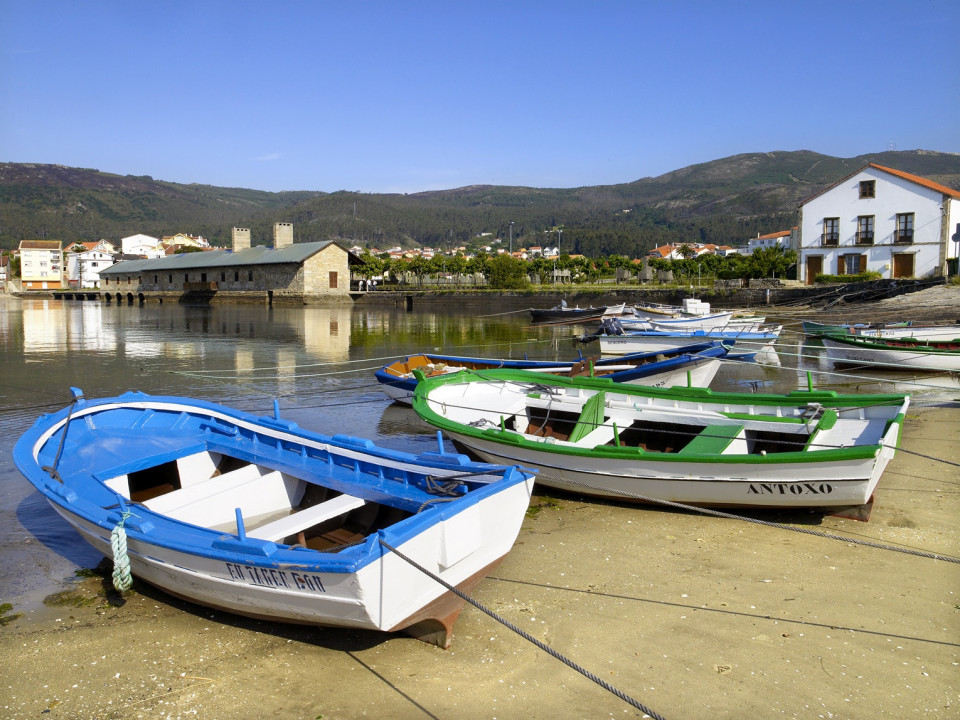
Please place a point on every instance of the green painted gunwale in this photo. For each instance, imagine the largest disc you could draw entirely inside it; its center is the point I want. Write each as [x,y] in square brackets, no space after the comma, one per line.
[828,398]
[905,344]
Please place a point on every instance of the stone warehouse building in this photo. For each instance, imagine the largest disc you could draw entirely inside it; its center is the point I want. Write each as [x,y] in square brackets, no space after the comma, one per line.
[287,272]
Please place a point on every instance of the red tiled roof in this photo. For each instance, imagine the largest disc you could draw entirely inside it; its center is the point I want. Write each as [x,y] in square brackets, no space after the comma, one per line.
[920,181]
[898,173]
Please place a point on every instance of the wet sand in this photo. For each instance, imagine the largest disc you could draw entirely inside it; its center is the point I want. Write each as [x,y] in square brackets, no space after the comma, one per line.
[691,615]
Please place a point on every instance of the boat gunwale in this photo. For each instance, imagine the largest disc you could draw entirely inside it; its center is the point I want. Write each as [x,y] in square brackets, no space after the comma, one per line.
[423,405]
[160,530]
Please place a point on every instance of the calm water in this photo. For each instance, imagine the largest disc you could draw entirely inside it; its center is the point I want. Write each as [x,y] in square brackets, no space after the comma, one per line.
[318,362]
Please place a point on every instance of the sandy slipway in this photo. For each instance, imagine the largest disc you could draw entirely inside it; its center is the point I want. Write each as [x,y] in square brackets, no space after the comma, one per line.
[694,616]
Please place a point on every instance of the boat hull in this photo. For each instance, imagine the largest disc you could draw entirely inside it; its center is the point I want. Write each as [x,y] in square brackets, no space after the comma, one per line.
[865,352]
[789,485]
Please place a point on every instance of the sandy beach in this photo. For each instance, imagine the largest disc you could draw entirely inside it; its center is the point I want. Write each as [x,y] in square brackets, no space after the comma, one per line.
[691,615]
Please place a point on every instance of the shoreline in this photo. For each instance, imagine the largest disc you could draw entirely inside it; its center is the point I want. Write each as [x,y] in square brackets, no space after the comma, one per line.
[693,616]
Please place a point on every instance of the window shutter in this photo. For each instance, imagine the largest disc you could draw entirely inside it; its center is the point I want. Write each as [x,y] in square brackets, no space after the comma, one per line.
[840,265]
[863,263]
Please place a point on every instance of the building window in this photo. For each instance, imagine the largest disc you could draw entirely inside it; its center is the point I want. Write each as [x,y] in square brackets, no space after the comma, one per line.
[333,280]
[904,228]
[865,230]
[223,277]
[186,277]
[868,188]
[203,277]
[250,275]
[170,278]
[154,279]
[236,275]
[852,264]
[831,232]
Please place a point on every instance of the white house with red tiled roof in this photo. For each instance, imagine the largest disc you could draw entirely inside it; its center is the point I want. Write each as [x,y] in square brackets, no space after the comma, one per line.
[781,237]
[879,219]
[84,261]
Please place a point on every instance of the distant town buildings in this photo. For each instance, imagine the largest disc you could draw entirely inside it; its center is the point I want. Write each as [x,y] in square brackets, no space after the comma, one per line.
[285,271]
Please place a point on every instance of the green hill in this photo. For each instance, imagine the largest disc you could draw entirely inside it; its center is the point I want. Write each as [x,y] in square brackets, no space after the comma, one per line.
[724,201]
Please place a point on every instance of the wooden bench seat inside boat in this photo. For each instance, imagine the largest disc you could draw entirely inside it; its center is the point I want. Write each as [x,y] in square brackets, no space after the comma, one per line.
[713,440]
[252,488]
[308,517]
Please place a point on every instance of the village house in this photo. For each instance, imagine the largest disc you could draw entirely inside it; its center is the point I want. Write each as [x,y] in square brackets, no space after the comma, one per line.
[174,243]
[883,220]
[84,261]
[41,264]
[142,245]
[781,238]
[287,271]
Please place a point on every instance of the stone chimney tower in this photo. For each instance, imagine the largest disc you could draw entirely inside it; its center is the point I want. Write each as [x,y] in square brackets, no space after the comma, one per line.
[282,235]
[241,239]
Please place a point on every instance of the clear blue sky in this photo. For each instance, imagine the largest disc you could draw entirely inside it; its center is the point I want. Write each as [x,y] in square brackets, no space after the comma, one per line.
[410,96]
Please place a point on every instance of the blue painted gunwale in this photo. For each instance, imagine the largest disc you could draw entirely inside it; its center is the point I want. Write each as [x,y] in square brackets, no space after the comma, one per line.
[131,438]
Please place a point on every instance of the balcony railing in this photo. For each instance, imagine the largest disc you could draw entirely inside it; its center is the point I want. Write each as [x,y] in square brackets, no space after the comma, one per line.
[829,239]
[904,237]
[865,238]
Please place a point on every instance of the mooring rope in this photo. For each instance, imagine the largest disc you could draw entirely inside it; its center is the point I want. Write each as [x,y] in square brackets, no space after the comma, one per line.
[51,470]
[525,635]
[768,523]
[122,579]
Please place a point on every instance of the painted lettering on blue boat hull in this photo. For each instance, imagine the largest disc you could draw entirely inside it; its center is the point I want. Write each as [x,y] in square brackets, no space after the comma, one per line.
[269,577]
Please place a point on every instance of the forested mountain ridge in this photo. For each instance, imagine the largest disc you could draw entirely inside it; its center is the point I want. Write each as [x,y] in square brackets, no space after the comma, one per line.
[724,201]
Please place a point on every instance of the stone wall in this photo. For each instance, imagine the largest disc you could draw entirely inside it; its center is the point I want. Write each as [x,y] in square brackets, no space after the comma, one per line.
[316,276]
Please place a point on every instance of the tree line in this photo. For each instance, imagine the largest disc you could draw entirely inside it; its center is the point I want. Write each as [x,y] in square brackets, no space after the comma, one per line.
[504,271]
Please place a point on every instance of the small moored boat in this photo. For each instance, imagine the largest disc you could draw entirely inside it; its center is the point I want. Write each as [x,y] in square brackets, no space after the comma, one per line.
[256,516]
[898,353]
[811,327]
[695,366]
[920,333]
[687,445]
[614,340]
[563,313]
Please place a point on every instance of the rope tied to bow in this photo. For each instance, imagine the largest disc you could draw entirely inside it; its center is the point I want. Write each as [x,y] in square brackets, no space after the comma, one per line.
[122,579]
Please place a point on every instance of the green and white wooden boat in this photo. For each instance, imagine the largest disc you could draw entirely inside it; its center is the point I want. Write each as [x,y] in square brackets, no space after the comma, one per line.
[688,445]
[897,353]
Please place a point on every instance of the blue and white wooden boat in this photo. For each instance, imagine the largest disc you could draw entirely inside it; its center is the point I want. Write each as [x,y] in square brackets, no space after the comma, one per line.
[695,366]
[690,445]
[256,516]
[666,340]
